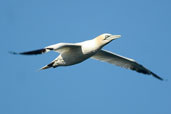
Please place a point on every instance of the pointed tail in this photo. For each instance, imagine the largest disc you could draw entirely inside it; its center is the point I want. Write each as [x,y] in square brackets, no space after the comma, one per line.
[48,66]
[45,67]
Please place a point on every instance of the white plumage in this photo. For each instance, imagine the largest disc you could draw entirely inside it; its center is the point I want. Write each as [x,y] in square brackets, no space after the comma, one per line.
[74,53]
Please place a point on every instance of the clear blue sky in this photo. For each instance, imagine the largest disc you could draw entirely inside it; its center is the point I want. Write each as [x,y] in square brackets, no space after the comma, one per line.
[91,87]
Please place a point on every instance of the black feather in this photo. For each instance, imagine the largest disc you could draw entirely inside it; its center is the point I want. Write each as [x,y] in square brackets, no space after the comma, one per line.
[145,71]
[34,52]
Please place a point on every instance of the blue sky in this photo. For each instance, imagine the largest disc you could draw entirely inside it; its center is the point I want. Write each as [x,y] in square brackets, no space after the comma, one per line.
[91,87]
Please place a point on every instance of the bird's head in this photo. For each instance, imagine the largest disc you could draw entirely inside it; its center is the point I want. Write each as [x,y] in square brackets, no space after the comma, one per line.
[106,38]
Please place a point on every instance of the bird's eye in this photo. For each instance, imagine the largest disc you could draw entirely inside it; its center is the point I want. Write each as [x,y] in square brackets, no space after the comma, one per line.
[107,36]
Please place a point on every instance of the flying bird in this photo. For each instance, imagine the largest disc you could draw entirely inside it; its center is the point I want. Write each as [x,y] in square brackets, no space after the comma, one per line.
[74,53]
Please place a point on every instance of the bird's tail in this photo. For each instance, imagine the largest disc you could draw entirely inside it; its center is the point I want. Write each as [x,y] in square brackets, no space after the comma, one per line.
[45,67]
[48,66]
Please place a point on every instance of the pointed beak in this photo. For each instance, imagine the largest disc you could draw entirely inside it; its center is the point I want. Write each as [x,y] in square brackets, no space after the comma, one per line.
[113,37]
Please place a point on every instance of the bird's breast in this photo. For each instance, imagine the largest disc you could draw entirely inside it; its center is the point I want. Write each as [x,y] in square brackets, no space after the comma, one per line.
[90,47]
[77,55]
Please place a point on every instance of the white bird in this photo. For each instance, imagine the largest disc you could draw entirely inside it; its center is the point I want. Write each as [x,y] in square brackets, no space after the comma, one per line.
[74,53]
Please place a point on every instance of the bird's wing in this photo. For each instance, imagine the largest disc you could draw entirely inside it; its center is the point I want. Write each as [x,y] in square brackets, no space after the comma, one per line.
[63,47]
[60,47]
[121,61]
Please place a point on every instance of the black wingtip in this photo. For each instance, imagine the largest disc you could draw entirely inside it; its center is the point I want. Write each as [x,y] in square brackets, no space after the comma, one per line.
[34,52]
[156,76]
[146,71]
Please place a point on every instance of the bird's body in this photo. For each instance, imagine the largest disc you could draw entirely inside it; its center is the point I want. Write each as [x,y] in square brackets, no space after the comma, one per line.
[74,53]
[73,56]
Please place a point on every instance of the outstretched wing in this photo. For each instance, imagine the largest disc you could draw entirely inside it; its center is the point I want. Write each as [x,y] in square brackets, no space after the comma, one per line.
[34,52]
[60,47]
[121,61]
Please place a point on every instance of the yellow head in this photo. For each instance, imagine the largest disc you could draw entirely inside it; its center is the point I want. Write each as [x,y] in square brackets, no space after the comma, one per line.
[105,38]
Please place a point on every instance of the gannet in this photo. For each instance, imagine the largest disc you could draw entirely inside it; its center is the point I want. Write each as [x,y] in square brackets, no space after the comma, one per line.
[74,53]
